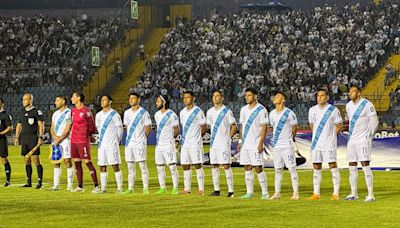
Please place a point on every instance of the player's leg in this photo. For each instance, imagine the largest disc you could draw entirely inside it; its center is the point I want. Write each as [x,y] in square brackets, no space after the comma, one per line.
[70,173]
[28,165]
[140,157]
[258,163]
[160,164]
[289,159]
[56,177]
[248,172]
[103,179]
[187,172]
[353,171]
[335,180]
[89,164]
[229,179]
[39,168]
[114,159]
[170,158]
[130,161]
[76,157]
[196,156]
[118,178]
[215,171]
[278,166]
[369,180]
[7,169]
[316,158]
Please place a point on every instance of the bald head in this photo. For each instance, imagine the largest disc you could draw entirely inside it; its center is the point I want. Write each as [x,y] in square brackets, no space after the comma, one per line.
[27,100]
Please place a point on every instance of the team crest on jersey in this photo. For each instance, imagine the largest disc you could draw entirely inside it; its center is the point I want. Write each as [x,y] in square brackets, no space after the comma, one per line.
[81,114]
[31,121]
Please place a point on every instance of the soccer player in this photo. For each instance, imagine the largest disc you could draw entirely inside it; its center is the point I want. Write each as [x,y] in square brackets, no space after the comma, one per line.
[194,127]
[5,128]
[326,123]
[252,133]
[222,123]
[138,125]
[109,125]
[363,122]
[83,127]
[30,129]
[284,123]
[59,130]
[167,130]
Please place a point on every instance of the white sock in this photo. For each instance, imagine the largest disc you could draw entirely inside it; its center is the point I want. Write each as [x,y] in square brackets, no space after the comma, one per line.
[335,180]
[278,180]
[317,177]
[175,176]
[70,177]
[131,175]
[200,178]
[56,176]
[161,175]
[103,180]
[262,179]
[295,179]
[145,174]
[249,177]
[187,180]
[118,179]
[369,180]
[229,179]
[215,177]
[353,176]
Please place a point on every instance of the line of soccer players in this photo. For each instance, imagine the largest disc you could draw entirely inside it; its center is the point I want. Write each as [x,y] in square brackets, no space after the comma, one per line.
[72,131]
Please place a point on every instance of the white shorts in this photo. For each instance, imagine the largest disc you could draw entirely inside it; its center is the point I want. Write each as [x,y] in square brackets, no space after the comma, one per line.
[220,156]
[320,156]
[190,156]
[251,157]
[135,154]
[359,152]
[66,147]
[165,155]
[284,157]
[108,156]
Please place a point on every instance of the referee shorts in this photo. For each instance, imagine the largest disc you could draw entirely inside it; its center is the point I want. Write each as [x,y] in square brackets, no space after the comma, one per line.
[28,143]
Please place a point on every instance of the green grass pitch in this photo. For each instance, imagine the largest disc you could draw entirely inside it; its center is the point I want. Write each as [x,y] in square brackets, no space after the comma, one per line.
[43,208]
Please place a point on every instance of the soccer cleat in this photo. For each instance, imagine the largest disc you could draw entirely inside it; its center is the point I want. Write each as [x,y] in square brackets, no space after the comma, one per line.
[69,189]
[184,192]
[369,199]
[246,196]
[215,193]
[145,191]
[119,192]
[128,191]
[78,189]
[351,197]
[96,190]
[27,185]
[295,196]
[275,196]
[54,188]
[314,197]
[334,197]
[200,193]
[38,186]
[174,191]
[7,184]
[230,195]
[265,196]
[161,191]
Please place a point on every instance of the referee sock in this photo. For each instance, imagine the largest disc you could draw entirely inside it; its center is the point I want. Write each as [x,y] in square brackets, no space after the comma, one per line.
[28,169]
[335,180]
[7,168]
[79,173]
[93,173]
[369,179]
[215,177]
[39,169]
[317,181]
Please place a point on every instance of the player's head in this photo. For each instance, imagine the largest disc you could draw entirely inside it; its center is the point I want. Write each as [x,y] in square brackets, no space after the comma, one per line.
[354,93]
[322,96]
[279,98]
[162,101]
[27,100]
[60,101]
[106,101]
[250,95]
[217,97]
[77,97]
[188,98]
[134,99]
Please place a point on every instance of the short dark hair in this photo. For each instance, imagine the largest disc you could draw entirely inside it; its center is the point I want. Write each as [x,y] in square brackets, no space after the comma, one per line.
[108,97]
[1,100]
[63,98]
[322,90]
[166,99]
[189,92]
[252,90]
[134,94]
[357,87]
[80,95]
[219,91]
[281,93]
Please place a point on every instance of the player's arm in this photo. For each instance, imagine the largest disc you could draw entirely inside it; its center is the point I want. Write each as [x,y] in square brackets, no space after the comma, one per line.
[203,129]
[264,129]
[53,134]
[233,130]
[339,127]
[147,130]
[91,124]
[40,131]
[294,130]
[18,130]
[65,132]
[176,131]
[373,125]
[9,127]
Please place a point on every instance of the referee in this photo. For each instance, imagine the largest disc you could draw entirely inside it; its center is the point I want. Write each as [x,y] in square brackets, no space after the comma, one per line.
[30,129]
[5,128]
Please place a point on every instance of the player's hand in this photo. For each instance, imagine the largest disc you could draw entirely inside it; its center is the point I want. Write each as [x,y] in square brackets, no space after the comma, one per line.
[239,146]
[260,147]
[16,141]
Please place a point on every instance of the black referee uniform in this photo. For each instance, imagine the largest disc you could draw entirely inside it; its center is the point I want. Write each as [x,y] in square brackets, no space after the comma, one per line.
[5,122]
[29,138]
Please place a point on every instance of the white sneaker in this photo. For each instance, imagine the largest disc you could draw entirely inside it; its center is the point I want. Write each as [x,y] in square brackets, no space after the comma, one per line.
[295,196]
[96,190]
[275,196]
[54,188]
[78,189]
[369,199]
[351,197]
[69,189]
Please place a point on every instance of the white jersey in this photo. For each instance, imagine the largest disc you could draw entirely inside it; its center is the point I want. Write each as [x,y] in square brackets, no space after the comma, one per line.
[111,137]
[285,138]
[138,137]
[166,134]
[252,139]
[222,138]
[361,131]
[67,119]
[193,138]
[327,137]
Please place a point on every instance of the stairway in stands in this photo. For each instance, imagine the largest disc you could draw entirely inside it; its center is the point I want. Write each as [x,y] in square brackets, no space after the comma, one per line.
[121,90]
[375,90]
[103,74]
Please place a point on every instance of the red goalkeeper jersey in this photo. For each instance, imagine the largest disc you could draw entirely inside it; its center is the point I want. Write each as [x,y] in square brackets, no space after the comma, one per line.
[83,125]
